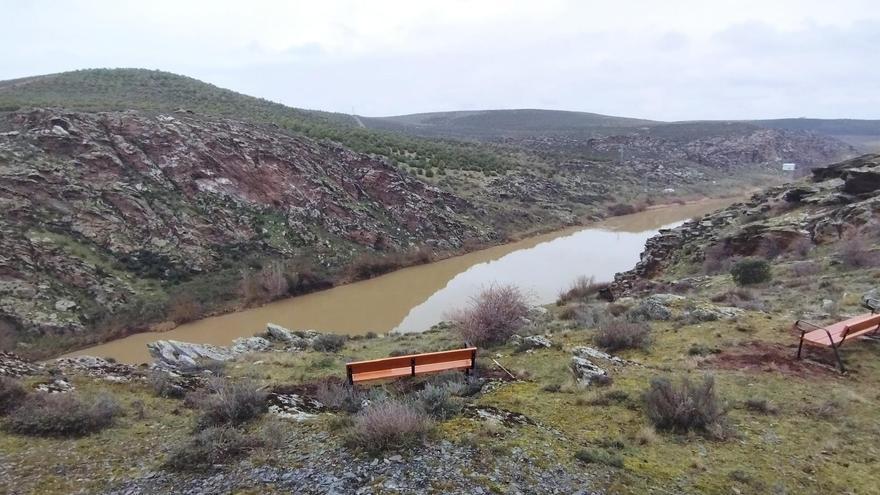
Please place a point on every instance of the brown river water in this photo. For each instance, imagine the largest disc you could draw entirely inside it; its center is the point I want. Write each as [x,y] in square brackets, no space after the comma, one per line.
[413,299]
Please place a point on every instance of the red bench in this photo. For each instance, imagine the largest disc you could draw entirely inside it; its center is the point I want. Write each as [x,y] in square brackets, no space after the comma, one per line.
[412,365]
[835,335]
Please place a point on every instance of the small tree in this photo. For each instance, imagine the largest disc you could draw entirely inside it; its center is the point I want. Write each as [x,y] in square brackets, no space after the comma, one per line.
[493,315]
[750,271]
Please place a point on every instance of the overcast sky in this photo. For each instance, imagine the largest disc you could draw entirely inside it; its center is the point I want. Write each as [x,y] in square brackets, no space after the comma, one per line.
[666,60]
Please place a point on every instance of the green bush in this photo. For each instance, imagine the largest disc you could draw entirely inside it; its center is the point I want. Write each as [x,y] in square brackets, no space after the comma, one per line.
[750,271]
[438,402]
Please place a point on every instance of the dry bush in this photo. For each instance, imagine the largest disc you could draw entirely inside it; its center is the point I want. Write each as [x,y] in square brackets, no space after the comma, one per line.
[762,406]
[855,252]
[208,448]
[493,315]
[163,385]
[329,342]
[438,401]
[614,335]
[805,269]
[685,406]
[231,403]
[372,265]
[12,393]
[800,247]
[185,310]
[599,456]
[580,290]
[63,415]
[340,396]
[387,425]
[618,209]
[272,280]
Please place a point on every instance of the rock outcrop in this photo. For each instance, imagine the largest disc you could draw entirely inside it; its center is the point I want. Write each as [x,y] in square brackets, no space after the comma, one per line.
[101,208]
[840,199]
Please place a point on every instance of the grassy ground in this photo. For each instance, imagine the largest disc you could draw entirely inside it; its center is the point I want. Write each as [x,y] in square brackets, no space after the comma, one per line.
[816,435]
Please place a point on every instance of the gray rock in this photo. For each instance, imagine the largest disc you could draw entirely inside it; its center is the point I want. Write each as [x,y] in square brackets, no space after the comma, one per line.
[535,342]
[709,312]
[176,354]
[250,344]
[585,372]
[64,305]
[593,353]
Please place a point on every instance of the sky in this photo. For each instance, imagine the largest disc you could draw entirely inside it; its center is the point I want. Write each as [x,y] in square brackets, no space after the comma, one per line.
[663,60]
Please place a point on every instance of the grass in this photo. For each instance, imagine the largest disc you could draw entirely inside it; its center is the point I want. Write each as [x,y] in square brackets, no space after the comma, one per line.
[608,421]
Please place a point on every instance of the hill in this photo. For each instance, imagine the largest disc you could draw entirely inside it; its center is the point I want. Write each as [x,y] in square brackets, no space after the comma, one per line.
[686,383]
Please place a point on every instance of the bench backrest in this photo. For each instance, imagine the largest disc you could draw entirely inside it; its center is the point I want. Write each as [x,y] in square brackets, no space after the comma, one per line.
[410,362]
[865,324]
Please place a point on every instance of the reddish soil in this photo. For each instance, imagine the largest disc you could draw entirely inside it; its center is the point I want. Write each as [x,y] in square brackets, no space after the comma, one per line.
[766,356]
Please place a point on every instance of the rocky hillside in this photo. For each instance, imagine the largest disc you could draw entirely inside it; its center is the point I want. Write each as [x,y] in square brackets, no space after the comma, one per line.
[838,207]
[631,141]
[103,211]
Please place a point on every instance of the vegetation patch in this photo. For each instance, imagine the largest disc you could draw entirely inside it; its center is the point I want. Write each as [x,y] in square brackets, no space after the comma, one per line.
[63,414]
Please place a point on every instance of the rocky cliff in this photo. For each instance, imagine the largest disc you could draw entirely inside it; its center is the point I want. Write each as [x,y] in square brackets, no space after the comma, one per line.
[839,202]
[100,209]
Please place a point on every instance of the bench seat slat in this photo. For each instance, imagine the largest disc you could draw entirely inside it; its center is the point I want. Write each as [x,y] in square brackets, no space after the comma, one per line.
[395,367]
[856,326]
[449,365]
[380,374]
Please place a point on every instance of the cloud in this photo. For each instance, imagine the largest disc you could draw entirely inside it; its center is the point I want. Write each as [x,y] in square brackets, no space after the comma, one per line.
[662,60]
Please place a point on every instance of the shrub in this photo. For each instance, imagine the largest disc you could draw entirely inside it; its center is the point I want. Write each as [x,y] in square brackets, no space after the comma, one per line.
[340,396]
[329,342]
[716,258]
[209,447]
[762,406]
[388,425]
[592,316]
[581,289]
[163,385]
[493,315]
[599,456]
[619,209]
[11,394]
[684,406]
[750,271]
[62,415]
[231,403]
[438,402]
[805,269]
[856,253]
[614,335]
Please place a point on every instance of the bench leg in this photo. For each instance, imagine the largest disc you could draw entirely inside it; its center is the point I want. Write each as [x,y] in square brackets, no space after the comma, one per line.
[800,346]
[839,361]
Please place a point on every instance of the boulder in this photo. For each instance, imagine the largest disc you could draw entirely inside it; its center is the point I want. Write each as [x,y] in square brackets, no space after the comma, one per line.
[593,353]
[709,312]
[861,181]
[535,342]
[653,309]
[250,344]
[299,339]
[585,372]
[176,354]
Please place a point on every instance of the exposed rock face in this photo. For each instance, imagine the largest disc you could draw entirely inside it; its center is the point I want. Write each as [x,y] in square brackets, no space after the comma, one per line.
[94,203]
[841,198]
[175,354]
[585,372]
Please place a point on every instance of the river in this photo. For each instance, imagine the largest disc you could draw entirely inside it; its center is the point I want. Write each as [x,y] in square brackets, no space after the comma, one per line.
[413,299]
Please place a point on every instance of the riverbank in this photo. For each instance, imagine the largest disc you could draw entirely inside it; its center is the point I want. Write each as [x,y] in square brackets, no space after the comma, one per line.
[414,298]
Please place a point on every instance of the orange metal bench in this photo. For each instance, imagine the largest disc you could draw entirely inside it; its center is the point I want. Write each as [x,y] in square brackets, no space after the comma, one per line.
[412,365]
[835,335]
